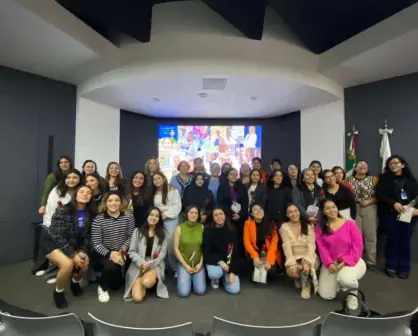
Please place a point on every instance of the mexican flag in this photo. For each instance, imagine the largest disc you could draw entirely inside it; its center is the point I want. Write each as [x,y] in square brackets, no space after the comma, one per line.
[351,158]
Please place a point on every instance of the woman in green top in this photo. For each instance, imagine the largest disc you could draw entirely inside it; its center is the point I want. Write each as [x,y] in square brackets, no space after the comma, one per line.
[188,239]
[64,164]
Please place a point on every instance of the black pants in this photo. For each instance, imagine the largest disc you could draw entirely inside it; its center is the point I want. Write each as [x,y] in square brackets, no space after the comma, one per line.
[112,277]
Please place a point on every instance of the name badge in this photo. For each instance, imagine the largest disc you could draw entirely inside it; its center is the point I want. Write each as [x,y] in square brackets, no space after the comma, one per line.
[404,195]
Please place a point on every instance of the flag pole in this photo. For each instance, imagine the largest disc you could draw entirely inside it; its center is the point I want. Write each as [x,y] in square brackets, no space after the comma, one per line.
[351,156]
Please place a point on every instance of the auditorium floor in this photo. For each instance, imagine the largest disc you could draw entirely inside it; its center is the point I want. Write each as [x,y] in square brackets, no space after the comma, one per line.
[275,304]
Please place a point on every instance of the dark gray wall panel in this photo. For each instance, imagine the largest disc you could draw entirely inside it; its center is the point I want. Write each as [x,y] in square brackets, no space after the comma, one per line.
[31,109]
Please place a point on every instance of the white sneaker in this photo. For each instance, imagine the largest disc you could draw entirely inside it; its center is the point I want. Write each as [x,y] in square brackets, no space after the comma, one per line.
[40,273]
[297,284]
[103,295]
[51,280]
[215,283]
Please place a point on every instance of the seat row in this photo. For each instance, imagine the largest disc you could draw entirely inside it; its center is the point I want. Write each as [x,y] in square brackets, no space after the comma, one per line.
[333,324]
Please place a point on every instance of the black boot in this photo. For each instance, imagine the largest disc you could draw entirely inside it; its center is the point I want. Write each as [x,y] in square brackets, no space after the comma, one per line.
[76,289]
[60,300]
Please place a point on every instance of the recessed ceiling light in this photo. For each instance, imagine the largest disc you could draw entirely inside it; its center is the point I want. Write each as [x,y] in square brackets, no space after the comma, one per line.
[253,97]
[202,94]
[156,99]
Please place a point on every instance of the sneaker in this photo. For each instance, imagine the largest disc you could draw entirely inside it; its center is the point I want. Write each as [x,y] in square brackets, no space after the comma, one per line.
[76,289]
[103,295]
[175,275]
[40,273]
[306,291]
[390,273]
[215,283]
[60,300]
[51,280]
[371,267]
[297,284]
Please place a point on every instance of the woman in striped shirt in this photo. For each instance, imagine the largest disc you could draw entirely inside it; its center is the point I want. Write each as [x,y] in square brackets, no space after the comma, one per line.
[111,234]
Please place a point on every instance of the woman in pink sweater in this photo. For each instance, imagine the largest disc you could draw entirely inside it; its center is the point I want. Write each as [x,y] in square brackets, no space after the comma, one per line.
[340,246]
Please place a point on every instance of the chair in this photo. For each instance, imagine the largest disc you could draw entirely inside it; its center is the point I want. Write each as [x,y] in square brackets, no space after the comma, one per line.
[102,328]
[223,327]
[63,325]
[343,325]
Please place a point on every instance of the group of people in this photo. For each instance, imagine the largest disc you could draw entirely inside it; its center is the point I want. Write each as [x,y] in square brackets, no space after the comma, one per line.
[224,224]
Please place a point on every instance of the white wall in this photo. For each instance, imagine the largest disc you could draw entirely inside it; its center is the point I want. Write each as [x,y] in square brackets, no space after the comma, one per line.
[322,130]
[97,134]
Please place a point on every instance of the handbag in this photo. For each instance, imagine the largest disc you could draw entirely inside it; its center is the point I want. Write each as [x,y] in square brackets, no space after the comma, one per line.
[365,311]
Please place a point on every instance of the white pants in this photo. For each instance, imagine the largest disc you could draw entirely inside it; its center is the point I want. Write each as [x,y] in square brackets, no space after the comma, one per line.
[345,279]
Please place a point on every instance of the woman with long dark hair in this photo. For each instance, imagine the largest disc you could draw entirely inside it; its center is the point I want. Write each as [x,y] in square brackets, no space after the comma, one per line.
[166,198]
[114,181]
[340,246]
[147,252]
[89,167]
[111,235]
[188,239]
[139,201]
[396,193]
[94,181]
[316,166]
[64,164]
[226,167]
[67,243]
[341,195]
[279,196]
[294,174]
[363,185]
[341,177]
[197,193]
[257,192]
[308,195]
[298,241]
[220,252]
[233,197]
[261,239]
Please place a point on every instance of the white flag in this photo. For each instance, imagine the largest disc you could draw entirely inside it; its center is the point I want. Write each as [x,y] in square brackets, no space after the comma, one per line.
[385,152]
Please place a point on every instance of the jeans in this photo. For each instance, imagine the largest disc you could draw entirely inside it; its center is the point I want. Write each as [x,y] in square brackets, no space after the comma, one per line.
[216,272]
[170,225]
[185,280]
[398,243]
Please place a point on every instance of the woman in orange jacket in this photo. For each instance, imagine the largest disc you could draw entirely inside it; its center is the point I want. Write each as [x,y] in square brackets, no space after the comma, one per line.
[261,239]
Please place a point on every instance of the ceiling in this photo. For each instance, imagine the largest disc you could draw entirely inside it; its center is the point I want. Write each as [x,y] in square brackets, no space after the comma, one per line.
[150,56]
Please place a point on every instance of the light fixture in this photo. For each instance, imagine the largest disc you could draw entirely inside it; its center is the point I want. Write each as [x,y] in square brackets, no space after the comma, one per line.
[156,99]
[202,94]
[254,98]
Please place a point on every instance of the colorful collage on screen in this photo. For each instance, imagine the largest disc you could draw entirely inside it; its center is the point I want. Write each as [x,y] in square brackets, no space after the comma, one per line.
[233,144]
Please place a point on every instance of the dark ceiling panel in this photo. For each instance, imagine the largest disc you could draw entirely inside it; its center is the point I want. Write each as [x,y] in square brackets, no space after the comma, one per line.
[245,15]
[323,24]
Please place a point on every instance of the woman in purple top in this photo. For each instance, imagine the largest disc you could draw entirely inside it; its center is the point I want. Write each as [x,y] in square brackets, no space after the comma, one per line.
[340,246]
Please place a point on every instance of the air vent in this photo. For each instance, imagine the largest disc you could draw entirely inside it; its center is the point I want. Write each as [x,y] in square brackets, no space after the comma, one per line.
[214,84]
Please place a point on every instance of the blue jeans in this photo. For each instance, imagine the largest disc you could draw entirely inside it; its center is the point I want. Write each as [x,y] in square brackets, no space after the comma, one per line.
[185,280]
[216,272]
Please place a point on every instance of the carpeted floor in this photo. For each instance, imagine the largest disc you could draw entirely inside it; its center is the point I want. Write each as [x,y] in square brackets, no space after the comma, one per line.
[277,303]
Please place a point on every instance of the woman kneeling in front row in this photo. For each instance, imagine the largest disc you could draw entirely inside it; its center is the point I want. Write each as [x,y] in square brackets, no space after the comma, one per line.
[340,246]
[188,238]
[67,242]
[221,253]
[298,239]
[147,251]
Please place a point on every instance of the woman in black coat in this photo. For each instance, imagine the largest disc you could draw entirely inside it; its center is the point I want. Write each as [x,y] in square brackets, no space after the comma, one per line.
[67,243]
[198,194]
[233,198]
[279,196]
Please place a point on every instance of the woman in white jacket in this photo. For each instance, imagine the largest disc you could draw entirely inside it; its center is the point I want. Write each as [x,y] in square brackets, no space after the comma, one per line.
[167,199]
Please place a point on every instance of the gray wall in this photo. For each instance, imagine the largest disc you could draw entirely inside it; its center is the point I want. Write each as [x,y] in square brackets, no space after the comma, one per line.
[139,139]
[32,108]
[366,106]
